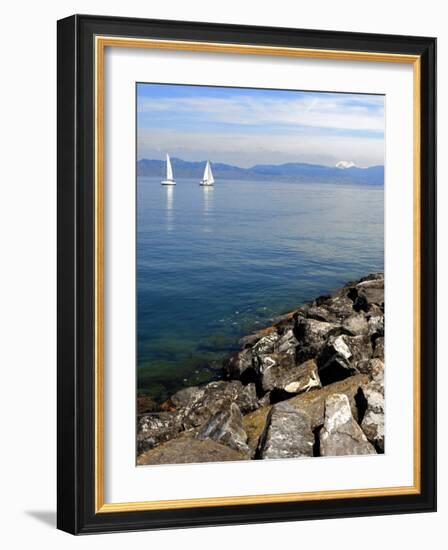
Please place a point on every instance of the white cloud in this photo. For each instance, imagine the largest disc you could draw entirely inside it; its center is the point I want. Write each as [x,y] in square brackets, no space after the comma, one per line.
[342,113]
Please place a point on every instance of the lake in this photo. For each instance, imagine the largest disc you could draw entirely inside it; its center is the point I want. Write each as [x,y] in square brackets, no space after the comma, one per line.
[216,263]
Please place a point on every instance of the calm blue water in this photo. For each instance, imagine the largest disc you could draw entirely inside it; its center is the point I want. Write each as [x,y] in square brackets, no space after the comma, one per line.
[214,264]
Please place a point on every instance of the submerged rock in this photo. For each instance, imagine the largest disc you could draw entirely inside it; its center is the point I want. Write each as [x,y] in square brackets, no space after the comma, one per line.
[341,435]
[185,450]
[226,427]
[288,434]
[146,404]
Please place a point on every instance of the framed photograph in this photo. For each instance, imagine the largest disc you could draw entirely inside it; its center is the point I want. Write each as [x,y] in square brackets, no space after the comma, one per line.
[246,274]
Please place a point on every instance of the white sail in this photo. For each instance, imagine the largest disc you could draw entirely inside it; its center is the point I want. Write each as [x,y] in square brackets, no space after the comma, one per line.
[169,169]
[169,173]
[208,178]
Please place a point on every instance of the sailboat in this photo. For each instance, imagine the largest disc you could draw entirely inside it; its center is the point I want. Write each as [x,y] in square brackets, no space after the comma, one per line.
[208,178]
[169,173]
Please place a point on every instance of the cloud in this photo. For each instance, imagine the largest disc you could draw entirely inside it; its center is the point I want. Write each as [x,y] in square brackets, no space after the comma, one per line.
[327,112]
[246,127]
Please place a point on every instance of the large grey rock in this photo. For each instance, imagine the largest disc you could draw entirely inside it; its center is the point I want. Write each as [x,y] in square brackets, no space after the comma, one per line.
[226,427]
[214,398]
[183,450]
[338,306]
[356,324]
[239,363]
[186,395]
[289,377]
[312,403]
[336,359]
[378,348]
[373,421]
[154,428]
[341,435]
[374,368]
[368,293]
[311,331]
[288,434]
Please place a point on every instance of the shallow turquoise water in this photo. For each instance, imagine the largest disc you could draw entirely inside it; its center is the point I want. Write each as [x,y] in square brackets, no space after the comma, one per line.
[214,264]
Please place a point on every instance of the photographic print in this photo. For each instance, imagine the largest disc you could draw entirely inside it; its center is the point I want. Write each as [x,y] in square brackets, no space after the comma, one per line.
[260,284]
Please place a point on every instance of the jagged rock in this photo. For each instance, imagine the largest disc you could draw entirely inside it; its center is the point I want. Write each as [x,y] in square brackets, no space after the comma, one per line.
[253,425]
[336,360]
[312,403]
[310,331]
[216,397]
[356,324]
[374,368]
[266,345]
[319,313]
[288,434]
[378,350]
[339,306]
[185,450]
[146,404]
[367,293]
[154,428]
[239,363]
[289,377]
[226,427]
[186,395]
[340,434]
[251,339]
[376,325]
[287,343]
[373,421]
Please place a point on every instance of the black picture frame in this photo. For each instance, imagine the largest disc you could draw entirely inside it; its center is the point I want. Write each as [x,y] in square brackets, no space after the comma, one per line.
[76,255]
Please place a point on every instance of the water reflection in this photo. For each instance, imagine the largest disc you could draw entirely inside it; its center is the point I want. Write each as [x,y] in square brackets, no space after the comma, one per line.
[208,208]
[208,199]
[169,207]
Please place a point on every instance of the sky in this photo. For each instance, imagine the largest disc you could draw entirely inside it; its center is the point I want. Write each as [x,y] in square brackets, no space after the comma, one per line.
[246,126]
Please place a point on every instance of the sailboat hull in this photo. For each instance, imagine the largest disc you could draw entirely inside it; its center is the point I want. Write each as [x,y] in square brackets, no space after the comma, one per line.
[168,182]
[205,184]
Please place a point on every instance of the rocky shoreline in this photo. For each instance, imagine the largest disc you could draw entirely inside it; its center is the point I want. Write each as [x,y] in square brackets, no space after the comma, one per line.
[311,384]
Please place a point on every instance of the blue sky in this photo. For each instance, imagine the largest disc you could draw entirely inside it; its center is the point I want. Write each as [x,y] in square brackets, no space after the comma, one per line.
[246,126]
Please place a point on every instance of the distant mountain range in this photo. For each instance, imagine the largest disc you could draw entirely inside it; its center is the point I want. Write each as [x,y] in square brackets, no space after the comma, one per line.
[292,171]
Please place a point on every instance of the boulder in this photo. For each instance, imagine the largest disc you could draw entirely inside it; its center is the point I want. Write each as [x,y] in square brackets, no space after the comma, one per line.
[338,306]
[155,428]
[226,427]
[356,324]
[368,293]
[239,364]
[254,424]
[311,331]
[251,339]
[336,359]
[378,348]
[373,421]
[214,398]
[186,395]
[340,434]
[376,325]
[185,450]
[312,403]
[374,368]
[289,377]
[288,434]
